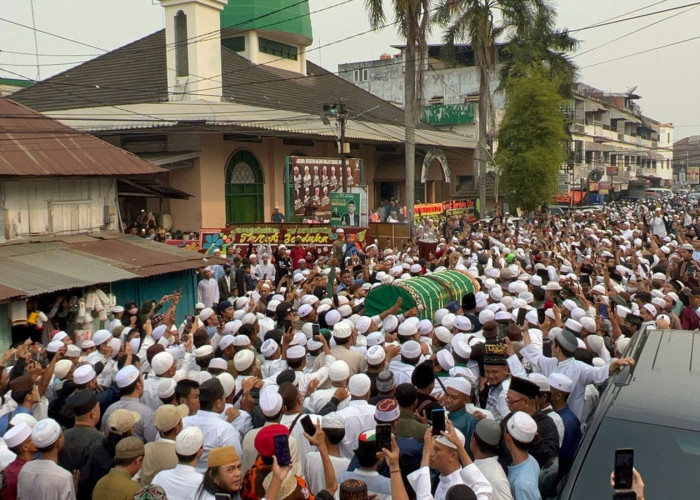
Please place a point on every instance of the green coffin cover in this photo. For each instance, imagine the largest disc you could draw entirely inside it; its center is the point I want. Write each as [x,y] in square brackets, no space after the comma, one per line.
[429,293]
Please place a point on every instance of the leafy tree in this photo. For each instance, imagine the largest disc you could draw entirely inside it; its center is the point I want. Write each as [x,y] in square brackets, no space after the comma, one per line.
[531,140]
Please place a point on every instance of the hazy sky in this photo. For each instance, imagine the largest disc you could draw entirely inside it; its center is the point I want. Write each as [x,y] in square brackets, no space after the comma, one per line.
[667,78]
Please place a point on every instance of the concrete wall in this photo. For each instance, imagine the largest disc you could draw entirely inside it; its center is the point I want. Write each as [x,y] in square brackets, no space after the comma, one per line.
[207,180]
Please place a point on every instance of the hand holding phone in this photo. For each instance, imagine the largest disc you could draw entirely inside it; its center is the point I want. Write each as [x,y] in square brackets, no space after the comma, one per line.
[383,436]
[438,419]
[308,425]
[624,463]
[284,457]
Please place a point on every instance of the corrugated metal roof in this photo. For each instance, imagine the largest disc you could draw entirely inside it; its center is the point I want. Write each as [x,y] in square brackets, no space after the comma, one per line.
[28,269]
[32,144]
[7,293]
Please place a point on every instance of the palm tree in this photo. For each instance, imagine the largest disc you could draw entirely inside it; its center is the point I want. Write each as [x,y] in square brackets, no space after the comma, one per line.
[484,23]
[413,20]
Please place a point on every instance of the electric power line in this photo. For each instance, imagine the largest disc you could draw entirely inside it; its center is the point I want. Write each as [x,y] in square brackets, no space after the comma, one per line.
[646,51]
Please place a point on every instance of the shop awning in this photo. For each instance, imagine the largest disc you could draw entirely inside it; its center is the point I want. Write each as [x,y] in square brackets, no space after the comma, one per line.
[37,267]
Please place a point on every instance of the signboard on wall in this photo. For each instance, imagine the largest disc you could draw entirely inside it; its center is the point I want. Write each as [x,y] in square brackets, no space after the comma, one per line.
[693,175]
[444,210]
[310,181]
[345,209]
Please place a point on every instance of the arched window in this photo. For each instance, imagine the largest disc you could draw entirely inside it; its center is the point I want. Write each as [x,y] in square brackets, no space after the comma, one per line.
[182,66]
[244,189]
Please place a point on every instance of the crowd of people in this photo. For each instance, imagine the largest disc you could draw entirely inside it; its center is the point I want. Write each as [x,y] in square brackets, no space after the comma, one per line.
[280,385]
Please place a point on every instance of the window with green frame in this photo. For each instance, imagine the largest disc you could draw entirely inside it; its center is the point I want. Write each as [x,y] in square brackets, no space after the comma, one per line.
[277,49]
[244,189]
[235,43]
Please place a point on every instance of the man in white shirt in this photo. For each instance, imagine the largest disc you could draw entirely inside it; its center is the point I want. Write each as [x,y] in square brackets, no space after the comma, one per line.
[447,454]
[265,270]
[484,446]
[182,482]
[208,289]
[333,427]
[291,418]
[403,367]
[217,432]
[358,415]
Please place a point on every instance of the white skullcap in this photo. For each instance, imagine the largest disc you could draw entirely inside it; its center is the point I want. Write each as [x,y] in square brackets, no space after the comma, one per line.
[73,351]
[243,359]
[189,441]
[486,315]
[577,314]
[270,401]
[390,323]
[240,341]
[227,382]
[217,364]
[45,433]
[463,324]
[226,341]
[375,338]
[162,362]
[25,418]
[62,368]
[101,336]
[439,314]
[375,355]
[522,427]
[540,380]
[410,349]
[408,329]
[342,330]
[446,442]
[359,385]
[249,319]
[561,382]
[345,310]
[589,324]
[461,347]
[333,420]
[296,352]
[496,293]
[17,435]
[443,334]
[127,376]
[87,344]
[166,388]
[573,325]
[84,374]
[338,371]
[362,324]
[460,384]
[203,351]
[445,359]
[304,310]
[333,317]
[425,326]
[158,332]
[269,348]
[448,321]
[205,314]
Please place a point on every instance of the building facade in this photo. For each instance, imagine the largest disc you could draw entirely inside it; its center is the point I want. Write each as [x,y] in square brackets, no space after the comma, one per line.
[686,161]
[609,131]
[221,102]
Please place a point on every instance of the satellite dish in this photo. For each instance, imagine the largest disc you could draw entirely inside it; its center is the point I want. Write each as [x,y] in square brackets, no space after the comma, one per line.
[595,175]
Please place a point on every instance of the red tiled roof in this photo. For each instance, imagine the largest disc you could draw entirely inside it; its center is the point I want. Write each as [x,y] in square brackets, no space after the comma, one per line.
[32,144]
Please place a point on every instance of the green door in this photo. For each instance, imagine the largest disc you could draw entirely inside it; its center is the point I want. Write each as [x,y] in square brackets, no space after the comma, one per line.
[244,189]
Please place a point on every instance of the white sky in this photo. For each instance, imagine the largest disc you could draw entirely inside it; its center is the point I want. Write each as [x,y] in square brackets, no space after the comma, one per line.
[666,78]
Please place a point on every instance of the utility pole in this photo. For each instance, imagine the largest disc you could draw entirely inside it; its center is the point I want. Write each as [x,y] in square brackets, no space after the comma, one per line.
[339,111]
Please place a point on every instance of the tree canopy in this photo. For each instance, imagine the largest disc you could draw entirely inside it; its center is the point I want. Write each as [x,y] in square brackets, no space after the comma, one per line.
[531,140]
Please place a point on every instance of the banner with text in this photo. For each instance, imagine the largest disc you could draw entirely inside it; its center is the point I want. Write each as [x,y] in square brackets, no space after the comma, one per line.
[320,236]
[445,210]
